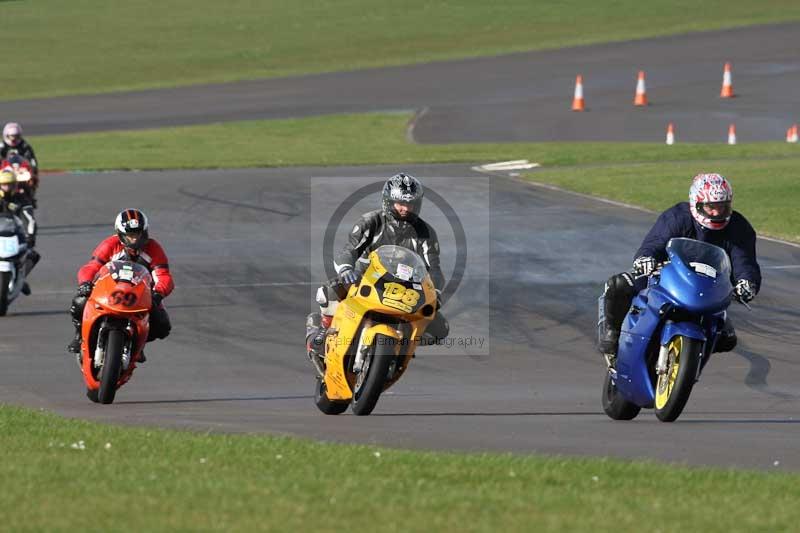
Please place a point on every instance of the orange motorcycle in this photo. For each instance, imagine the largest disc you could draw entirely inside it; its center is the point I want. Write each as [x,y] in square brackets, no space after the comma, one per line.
[116,322]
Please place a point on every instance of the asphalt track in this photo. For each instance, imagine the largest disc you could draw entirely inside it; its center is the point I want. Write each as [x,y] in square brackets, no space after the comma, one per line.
[244,245]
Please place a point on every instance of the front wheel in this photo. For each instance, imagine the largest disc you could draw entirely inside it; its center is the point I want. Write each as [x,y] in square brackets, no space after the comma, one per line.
[326,405]
[5,279]
[112,363]
[369,384]
[615,406]
[675,385]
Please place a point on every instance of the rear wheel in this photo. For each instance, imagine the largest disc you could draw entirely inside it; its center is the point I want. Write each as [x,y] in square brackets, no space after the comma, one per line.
[112,363]
[326,405]
[675,385]
[369,384]
[615,406]
[5,279]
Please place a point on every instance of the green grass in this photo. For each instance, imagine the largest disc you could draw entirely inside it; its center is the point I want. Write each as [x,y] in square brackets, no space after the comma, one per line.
[766,191]
[149,480]
[55,47]
[652,175]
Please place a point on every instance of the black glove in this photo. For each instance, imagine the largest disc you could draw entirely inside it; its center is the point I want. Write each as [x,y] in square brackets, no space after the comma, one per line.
[348,276]
[156,298]
[644,266]
[745,290]
[85,288]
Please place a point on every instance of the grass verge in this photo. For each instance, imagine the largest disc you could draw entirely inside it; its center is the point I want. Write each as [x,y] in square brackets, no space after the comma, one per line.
[652,175]
[766,191]
[91,46]
[67,474]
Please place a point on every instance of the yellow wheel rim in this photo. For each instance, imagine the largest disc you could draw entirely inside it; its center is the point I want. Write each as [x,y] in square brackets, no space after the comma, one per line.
[666,381]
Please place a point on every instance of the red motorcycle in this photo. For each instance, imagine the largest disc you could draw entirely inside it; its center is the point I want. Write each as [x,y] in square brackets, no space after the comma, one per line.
[116,322]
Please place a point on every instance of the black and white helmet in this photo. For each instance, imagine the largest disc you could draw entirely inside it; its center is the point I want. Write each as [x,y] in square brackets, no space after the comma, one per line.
[132,228]
[403,189]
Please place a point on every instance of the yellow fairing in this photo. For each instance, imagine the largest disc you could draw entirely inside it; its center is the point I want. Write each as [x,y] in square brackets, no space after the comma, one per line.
[377,294]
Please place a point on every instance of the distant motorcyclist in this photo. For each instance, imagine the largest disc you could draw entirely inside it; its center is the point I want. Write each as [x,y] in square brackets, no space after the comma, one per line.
[26,177]
[398,223]
[19,204]
[707,217]
[131,242]
[14,142]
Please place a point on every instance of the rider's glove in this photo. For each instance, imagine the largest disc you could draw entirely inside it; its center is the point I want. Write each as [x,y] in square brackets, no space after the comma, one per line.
[156,298]
[644,266]
[348,276]
[745,290]
[85,288]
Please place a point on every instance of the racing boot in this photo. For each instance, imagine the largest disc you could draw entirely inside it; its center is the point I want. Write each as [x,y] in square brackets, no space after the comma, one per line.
[317,326]
[75,345]
[727,338]
[26,289]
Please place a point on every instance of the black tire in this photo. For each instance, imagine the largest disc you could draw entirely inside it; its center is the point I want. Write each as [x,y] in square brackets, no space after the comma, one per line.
[112,364]
[5,278]
[688,359]
[615,406]
[329,407]
[366,397]
[92,395]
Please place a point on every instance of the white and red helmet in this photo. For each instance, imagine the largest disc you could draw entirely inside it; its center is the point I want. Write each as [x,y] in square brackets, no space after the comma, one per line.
[12,134]
[711,200]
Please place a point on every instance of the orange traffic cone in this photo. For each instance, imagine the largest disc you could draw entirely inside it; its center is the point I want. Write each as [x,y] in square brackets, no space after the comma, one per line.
[727,84]
[641,91]
[670,134]
[577,100]
[732,134]
[791,134]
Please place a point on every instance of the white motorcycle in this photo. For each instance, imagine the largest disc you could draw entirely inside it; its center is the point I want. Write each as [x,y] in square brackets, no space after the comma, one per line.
[15,260]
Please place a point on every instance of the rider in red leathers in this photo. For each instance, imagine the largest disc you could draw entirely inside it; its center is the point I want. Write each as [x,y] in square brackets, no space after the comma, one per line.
[132,243]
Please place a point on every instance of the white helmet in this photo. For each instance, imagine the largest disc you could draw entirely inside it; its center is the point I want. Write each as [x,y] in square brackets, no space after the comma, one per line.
[711,200]
[12,134]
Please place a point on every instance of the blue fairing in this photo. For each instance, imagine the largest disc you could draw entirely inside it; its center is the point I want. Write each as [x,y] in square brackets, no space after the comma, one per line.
[698,278]
[685,329]
[688,299]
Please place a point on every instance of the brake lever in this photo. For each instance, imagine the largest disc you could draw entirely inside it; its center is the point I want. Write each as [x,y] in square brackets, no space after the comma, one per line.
[736,297]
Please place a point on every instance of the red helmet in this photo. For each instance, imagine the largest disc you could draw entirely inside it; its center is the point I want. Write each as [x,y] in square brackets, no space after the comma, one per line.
[711,200]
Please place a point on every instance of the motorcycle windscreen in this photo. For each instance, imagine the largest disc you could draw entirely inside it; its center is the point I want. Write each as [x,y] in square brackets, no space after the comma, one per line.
[698,276]
[402,263]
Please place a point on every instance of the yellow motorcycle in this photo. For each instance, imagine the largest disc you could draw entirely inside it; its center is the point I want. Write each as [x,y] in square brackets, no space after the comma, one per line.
[375,331]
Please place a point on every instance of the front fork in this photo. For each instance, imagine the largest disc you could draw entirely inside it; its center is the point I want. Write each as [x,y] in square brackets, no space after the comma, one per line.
[102,338]
[712,337]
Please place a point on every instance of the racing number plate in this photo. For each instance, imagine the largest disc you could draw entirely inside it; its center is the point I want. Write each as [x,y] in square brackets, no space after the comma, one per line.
[399,297]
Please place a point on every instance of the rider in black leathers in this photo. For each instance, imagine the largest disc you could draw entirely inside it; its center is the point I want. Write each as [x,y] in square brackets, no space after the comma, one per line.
[398,223]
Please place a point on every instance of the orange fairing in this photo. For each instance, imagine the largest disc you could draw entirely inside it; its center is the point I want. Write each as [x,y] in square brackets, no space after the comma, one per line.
[122,292]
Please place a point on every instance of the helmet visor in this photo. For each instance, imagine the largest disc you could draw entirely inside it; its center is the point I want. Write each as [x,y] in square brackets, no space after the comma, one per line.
[13,138]
[715,211]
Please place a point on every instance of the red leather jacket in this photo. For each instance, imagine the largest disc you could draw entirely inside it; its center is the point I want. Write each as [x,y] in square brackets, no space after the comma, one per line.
[152,256]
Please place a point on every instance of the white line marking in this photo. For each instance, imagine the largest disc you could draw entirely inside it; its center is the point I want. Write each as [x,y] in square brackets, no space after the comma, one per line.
[517,164]
[782,267]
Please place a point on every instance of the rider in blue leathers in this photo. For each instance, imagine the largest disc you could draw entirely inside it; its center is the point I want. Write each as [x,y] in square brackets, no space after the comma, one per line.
[707,217]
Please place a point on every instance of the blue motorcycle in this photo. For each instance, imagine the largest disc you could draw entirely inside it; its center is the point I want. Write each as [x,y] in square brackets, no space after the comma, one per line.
[669,332]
